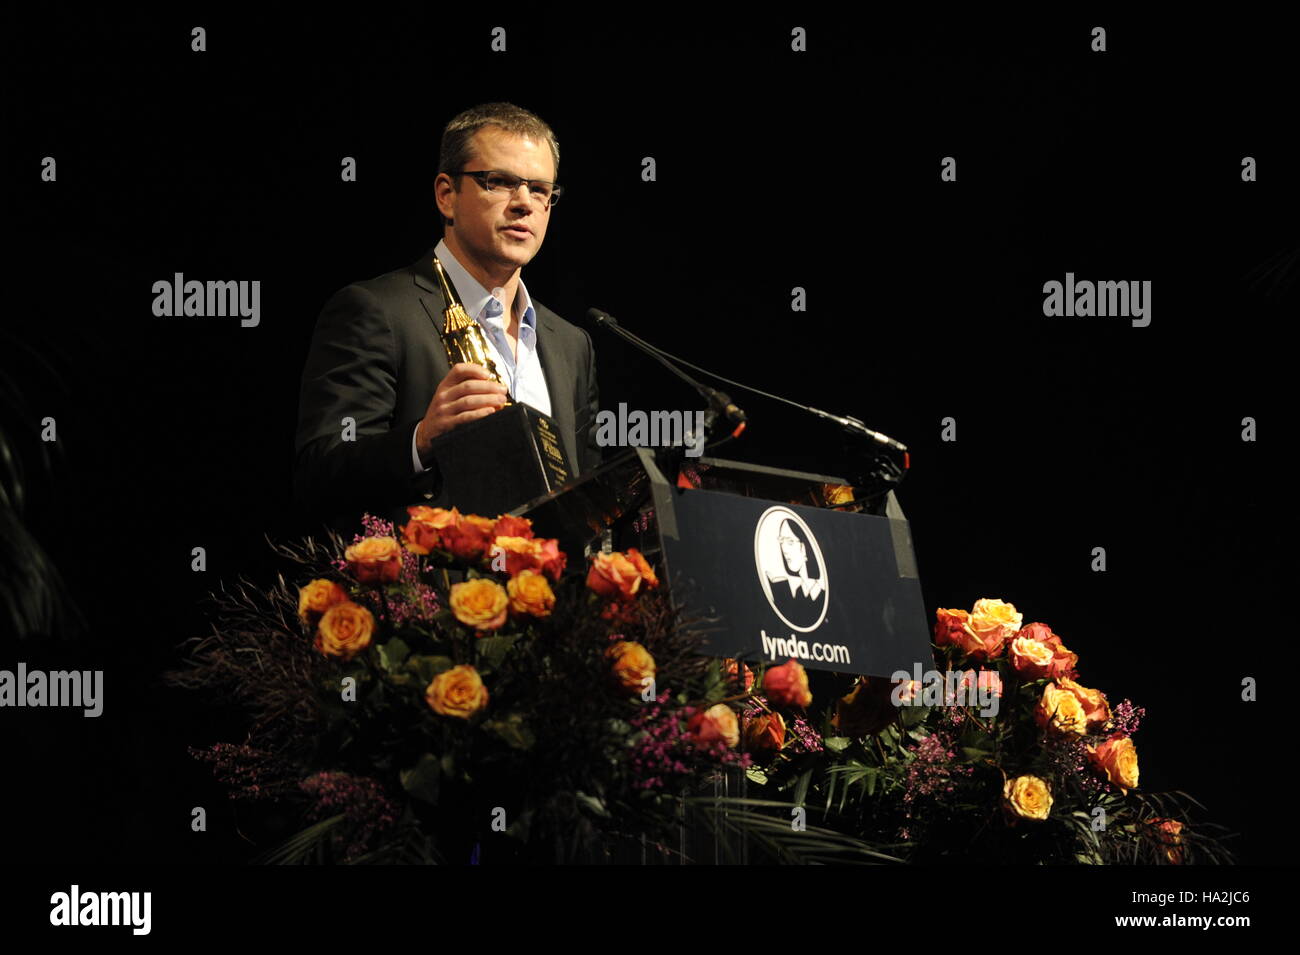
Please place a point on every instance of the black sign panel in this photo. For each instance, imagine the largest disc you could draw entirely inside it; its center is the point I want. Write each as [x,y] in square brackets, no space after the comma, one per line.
[835,591]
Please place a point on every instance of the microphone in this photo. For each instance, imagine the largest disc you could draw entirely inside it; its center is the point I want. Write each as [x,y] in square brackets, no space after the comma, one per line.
[720,402]
[606,320]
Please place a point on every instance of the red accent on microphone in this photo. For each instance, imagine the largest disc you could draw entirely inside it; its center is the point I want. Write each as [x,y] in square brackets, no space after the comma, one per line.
[739,428]
[907,460]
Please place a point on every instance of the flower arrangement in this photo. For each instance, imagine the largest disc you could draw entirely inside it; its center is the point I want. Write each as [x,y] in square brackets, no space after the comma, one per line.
[536,711]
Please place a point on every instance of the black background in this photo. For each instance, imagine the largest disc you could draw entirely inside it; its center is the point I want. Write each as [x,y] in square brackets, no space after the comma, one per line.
[775,170]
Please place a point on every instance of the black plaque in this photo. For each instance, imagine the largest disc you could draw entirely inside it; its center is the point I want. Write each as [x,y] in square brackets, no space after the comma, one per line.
[494,464]
[835,591]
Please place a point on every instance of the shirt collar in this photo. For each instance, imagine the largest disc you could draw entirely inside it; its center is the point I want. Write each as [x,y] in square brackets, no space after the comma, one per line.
[479,301]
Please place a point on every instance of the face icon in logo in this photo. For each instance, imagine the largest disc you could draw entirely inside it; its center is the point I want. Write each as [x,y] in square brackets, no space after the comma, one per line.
[790,568]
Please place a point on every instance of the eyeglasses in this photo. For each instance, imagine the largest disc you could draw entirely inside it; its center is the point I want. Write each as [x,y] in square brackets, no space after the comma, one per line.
[543,192]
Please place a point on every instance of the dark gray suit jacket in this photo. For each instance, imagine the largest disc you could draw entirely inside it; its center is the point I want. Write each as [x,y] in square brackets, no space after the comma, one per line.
[377,356]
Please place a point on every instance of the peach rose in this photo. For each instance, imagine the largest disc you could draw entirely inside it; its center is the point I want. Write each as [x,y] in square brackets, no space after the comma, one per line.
[1063,661]
[530,594]
[423,532]
[1031,659]
[457,692]
[1027,797]
[345,629]
[469,538]
[317,597]
[787,685]
[1095,708]
[834,494]
[375,560]
[480,603]
[1118,759]
[992,622]
[765,732]
[1061,710]
[554,560]
[614,576]
[633,665]
[1170,834]
[718,722]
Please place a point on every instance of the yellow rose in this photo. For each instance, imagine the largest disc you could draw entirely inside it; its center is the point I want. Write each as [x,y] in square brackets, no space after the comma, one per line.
[633,665]
[480,603]
[317,597]
[530,593]
[1061,710]
[344,630]
[1027,797]
[457,692]
[1118,759]
[375,560]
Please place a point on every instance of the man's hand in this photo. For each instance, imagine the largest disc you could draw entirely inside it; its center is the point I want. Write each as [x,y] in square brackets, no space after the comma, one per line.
[466,394]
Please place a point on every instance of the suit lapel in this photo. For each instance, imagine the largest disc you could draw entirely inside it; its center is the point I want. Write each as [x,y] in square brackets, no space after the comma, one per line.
[560,380]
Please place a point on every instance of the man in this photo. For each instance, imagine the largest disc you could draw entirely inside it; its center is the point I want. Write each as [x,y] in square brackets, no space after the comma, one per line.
[377,358]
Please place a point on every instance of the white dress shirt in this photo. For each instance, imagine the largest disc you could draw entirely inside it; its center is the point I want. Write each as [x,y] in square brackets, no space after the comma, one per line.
[523,377]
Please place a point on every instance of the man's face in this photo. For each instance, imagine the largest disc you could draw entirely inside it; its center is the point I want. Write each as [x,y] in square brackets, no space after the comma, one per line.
[484,219]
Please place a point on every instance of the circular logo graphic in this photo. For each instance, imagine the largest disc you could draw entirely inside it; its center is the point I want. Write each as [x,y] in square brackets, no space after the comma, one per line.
[790,568]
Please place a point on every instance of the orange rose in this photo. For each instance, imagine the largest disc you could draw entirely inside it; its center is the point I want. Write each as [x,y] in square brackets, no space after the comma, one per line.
[530,594]
[765,732]
[521,553]
[317,597]
[787,685]
[730,674]
[469,538]
[480,603]
[953,628]
[1027,797]
[1170,834]
[423,532]
[633,665]
[1061,710]
[614,576]
[1095,708]
[457,692]
[507,526]
[718,722]
[834,494]
[344,630]
[375,560]
[1118,759]
[1063,661]
[643,568]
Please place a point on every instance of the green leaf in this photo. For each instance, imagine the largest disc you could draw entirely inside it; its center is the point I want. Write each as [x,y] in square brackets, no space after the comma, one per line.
[421,780]
[492,650]
[513,730]
[836,744]
[426,667]
[756,775]
[393,653]
[976,754]
[594,803]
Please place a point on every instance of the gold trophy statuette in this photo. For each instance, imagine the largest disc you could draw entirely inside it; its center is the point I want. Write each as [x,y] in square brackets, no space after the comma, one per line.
[461,335]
